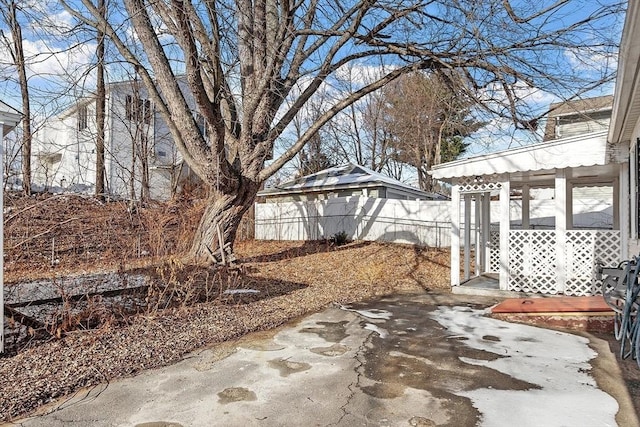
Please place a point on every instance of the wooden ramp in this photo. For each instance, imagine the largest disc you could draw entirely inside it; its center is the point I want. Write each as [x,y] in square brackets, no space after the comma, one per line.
[577,313]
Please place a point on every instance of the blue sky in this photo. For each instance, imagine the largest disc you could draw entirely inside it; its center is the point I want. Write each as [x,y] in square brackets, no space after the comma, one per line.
[62,61]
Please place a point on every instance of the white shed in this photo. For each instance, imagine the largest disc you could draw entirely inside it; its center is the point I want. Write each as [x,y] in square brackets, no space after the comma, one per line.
[557,261]
[9,118]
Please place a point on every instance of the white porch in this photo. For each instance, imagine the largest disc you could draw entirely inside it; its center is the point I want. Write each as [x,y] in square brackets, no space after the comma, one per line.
[560,259]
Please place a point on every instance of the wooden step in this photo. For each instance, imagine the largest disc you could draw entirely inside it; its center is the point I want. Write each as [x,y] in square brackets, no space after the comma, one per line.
[576,313]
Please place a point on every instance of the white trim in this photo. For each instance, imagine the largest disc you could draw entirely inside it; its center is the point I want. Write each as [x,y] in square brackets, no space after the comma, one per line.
[467,236]
[486,231]
[505,226]
[455,234]
[625,192]
[476,236]
[562,202]
[526,210]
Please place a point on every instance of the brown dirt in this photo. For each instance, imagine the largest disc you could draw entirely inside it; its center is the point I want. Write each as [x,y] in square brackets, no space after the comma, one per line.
[49,237]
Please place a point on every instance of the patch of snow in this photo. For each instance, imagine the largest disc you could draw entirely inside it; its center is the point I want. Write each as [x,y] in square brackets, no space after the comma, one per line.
[370,314]
[241,291]
[568,394]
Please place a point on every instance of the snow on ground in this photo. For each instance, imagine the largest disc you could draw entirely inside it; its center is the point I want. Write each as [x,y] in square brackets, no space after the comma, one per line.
[568,395]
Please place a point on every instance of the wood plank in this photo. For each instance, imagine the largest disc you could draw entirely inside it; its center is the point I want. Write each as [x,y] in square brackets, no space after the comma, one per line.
[592,304]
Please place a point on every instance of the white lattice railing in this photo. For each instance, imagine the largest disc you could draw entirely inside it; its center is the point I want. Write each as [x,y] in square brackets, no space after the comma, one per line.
[494,251]
[533,260]
[584,248]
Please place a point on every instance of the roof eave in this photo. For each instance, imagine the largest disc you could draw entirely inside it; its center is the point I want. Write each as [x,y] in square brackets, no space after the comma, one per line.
[351,186]
[626,104]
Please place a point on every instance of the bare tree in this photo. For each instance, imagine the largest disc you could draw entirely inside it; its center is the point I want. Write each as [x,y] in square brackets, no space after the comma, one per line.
[9,11]
[243,59]
[422,112]
[356,133]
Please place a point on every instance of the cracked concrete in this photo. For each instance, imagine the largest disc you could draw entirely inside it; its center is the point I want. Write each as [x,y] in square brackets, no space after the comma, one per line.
[422,360]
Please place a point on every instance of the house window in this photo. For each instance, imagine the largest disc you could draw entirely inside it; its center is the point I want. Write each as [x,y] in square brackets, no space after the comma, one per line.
[138,109]
[82,117]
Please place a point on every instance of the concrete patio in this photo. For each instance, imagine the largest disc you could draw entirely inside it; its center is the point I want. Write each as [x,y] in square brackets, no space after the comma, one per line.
[418,360]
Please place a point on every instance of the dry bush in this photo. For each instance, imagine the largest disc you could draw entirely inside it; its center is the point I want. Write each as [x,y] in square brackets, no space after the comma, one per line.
[50,235]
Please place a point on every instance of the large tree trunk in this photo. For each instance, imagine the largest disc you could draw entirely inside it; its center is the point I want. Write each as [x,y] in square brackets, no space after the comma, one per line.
[18,58]
[222,216]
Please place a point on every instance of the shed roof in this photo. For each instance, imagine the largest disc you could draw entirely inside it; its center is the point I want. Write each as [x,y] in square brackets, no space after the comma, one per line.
[344,176]
[582,150]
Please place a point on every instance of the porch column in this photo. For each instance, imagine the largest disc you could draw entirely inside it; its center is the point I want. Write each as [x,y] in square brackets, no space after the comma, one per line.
[455,234]
[1,239]
[467,236]
[525,207]
[561,208]
[486,231]
[616,202]
[505,225]
[625,201]
[479,247]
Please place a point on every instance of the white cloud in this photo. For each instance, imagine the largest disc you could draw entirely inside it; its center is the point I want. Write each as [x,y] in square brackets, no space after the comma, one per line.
[43,60]
[585,59]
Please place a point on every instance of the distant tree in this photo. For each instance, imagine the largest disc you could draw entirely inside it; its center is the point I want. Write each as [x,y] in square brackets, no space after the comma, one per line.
[313,157]
[355,134]
[424,114]
[452,147]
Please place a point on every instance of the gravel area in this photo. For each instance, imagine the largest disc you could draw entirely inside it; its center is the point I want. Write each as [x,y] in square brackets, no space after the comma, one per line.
[310,276]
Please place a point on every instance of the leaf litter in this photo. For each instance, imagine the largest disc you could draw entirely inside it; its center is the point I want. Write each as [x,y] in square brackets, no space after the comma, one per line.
[181,308]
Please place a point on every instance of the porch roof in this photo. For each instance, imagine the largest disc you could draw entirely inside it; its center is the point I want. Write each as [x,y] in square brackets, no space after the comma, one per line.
[580,151]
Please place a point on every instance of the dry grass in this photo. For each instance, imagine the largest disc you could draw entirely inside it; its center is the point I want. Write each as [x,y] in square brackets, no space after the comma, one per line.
[188,308]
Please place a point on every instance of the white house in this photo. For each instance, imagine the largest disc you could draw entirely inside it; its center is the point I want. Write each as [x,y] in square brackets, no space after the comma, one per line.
[578,117]
[140,155]
[9,118]
[624,132]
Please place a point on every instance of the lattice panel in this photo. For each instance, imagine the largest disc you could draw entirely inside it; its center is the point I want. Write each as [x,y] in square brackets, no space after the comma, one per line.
[494,251]
[532,261]
[470,184]
[584,249]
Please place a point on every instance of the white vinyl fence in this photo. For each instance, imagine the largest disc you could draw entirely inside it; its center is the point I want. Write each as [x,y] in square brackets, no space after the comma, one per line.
[424,222]
[402,221]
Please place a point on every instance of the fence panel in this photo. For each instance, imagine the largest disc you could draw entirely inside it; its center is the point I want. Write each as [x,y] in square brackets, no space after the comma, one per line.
[401,221]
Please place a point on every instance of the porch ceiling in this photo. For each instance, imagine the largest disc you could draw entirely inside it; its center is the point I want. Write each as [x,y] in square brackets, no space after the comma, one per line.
[586,154]
[586,175]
